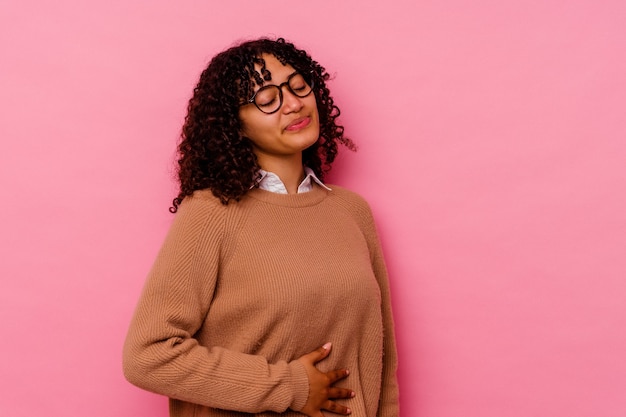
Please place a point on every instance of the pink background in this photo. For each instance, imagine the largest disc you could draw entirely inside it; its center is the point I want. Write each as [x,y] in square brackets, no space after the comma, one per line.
[492,150]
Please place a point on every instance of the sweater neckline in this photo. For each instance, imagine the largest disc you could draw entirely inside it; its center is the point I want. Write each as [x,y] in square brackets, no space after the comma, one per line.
[310,198]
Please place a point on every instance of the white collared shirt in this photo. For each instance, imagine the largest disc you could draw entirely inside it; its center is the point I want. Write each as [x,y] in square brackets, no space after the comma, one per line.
[271,182]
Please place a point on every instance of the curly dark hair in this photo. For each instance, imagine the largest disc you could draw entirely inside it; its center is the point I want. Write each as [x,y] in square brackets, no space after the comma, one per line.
[213,153]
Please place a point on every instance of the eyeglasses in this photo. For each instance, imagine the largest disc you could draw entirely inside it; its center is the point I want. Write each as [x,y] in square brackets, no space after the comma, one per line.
[269,98]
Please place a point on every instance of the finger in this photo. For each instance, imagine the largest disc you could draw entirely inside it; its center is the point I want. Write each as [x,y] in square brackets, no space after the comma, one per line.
[323,351]
[336,408]
[335,392]
[318,354]
[336,375]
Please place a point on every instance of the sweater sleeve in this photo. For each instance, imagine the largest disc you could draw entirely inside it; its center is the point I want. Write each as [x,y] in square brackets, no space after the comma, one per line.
[160,352]
[389,401]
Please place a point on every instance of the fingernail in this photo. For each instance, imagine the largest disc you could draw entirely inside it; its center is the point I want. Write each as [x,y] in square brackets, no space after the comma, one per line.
[347,372]
[348,411]
[352,394]
[327,346]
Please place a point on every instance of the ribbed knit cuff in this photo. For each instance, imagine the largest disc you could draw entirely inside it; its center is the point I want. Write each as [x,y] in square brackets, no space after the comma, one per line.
[300,382]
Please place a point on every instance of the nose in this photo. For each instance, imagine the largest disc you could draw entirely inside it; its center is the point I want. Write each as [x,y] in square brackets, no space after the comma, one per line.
[291,102]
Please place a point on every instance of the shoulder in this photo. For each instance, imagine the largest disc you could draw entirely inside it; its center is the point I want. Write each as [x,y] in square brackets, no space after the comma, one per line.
[352,202]
[201,199]
[353,199]
[359,210]
[202,206]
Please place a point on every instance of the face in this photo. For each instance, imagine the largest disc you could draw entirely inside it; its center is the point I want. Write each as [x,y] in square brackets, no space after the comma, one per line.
[282,135]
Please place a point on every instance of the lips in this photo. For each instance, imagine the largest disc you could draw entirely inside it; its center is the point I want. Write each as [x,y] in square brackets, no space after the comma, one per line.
[298,124]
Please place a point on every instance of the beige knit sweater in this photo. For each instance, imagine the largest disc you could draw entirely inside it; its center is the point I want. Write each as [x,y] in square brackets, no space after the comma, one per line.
[239,292]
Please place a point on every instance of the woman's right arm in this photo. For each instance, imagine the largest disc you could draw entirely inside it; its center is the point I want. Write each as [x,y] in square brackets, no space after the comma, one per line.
[160,352]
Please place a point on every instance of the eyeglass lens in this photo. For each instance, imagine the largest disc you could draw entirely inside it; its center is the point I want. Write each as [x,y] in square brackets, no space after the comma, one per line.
[270,98]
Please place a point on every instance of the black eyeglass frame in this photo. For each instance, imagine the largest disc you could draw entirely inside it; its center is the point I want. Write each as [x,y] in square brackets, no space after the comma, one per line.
[280,92]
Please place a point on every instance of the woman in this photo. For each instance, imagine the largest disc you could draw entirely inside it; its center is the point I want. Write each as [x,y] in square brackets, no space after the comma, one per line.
[270,292]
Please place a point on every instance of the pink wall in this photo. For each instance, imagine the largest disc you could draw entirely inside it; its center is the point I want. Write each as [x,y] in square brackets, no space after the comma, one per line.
[492,149]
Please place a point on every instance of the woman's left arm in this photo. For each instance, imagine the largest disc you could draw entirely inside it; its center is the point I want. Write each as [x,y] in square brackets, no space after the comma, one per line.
[388,405]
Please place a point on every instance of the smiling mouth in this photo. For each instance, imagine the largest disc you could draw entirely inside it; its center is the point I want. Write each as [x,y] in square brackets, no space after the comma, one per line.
[298,124]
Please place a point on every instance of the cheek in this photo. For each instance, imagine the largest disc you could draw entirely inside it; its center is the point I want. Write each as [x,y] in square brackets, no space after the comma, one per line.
[317,114]
[257,129]
[249,124]
[314,105]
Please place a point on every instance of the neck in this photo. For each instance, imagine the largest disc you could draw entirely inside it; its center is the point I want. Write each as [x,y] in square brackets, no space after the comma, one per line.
[289,170]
